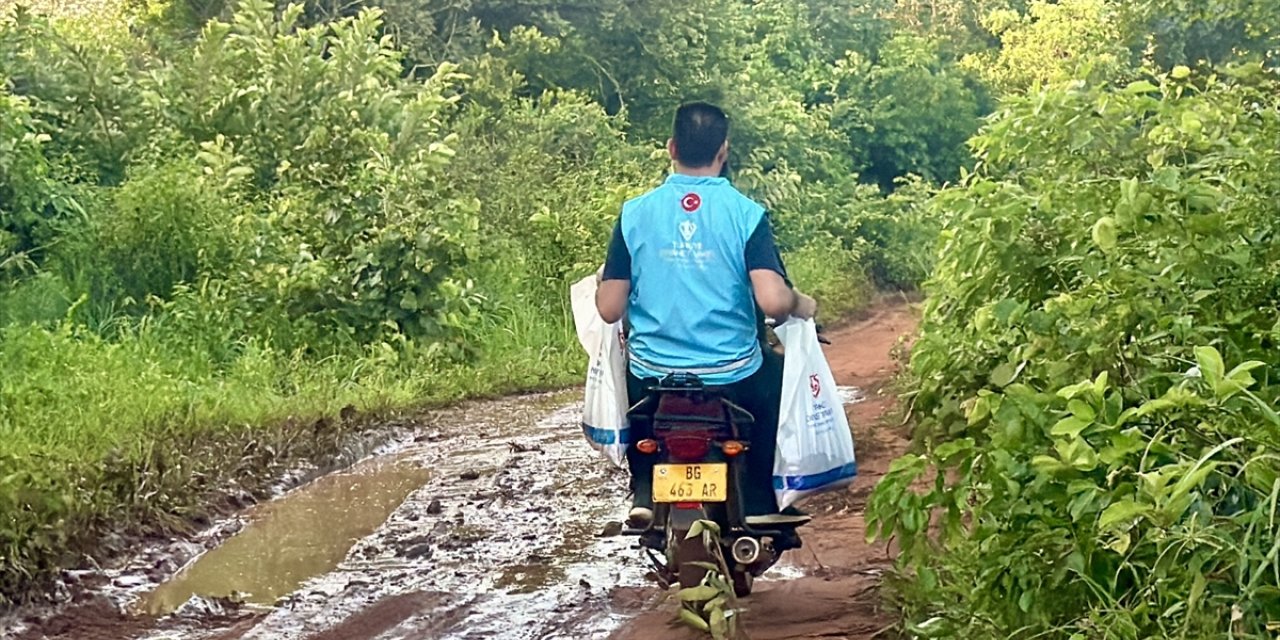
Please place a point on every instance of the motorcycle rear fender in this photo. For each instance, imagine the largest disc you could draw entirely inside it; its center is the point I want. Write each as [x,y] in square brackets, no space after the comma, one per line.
[682,519]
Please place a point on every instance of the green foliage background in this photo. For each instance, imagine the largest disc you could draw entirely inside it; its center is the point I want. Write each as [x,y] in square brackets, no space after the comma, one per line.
[1095,384]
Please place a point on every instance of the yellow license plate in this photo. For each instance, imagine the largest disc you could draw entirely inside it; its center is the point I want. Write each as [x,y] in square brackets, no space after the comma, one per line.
[691,482]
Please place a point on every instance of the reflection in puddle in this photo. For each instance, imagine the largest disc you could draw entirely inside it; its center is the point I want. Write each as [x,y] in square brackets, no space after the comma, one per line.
[303,534]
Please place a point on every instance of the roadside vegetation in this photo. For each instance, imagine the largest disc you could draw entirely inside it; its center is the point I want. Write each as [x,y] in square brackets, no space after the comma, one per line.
[1096,379]
[223,228]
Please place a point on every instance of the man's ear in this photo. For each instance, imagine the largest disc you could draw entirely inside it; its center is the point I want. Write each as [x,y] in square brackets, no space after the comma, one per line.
[671,149]
[722,155]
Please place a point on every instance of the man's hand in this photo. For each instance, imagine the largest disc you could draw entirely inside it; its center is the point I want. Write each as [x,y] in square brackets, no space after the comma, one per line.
[779,301]
[806,307]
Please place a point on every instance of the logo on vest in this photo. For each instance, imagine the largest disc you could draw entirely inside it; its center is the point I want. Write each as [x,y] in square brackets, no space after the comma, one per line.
[687,229]
[690,202]
[815,385]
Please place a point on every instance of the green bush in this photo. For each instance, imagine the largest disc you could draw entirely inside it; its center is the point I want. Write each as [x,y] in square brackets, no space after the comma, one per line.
[29,198]
[537,239]
[1097,373]
[833,275]
[161,229]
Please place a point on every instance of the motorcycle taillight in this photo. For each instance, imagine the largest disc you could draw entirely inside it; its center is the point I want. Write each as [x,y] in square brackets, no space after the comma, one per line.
[688,447]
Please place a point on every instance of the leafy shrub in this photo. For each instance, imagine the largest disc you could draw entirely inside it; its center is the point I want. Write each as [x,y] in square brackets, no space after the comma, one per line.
[1099,467]
[164,227]
[359,232]
[41,299]
[29,198]
[833,275]
[334,157]
[901,233]
[550,176]
[80,79]
[1053,42]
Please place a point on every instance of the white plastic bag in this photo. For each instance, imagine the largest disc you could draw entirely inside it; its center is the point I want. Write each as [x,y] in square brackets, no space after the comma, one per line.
[604,410]
[815,445]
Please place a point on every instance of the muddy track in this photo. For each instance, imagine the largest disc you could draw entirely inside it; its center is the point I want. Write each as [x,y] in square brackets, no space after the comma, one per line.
[494,520]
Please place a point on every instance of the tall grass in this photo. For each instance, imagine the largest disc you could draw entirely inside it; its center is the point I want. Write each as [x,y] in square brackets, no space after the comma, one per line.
[69,392]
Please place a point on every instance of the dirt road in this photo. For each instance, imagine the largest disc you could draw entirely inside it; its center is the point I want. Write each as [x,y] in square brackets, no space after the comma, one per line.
[486,520]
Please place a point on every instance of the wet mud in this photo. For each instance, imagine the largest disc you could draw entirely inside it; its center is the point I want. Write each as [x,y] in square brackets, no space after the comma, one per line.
[495,520]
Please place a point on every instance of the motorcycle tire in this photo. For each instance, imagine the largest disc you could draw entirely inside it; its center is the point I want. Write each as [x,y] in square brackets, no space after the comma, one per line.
[743,581]
[687,553]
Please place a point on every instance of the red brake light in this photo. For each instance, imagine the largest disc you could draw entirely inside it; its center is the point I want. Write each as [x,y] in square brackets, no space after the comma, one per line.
[685,447]
[648,445]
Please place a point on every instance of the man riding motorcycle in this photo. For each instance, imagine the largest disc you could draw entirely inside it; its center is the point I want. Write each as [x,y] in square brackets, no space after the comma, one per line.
[688,265]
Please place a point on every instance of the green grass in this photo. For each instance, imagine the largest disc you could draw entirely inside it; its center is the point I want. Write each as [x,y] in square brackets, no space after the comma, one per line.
[835,278]
[69,392]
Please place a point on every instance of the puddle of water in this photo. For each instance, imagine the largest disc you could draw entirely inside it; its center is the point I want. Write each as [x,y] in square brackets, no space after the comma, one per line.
[529,577]
[287,541]
[784,571]
[850,395]
[516,549]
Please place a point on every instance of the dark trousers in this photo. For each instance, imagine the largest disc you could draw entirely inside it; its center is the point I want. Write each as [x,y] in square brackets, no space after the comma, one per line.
[760,394]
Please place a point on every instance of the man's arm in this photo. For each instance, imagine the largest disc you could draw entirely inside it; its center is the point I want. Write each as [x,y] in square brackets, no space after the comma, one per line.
[774,295]
[611,299]
[615,279]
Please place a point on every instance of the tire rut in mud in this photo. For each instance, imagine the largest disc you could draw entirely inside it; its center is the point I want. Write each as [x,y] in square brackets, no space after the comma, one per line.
[502,541]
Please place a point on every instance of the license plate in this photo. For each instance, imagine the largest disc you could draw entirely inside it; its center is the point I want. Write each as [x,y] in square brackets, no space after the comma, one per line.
[708,482]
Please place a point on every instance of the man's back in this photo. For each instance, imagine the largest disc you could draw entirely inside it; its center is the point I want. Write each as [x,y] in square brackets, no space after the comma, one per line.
[691,306]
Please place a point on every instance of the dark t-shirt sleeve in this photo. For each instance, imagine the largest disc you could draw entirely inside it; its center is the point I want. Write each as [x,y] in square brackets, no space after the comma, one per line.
[617,262]
[762,251]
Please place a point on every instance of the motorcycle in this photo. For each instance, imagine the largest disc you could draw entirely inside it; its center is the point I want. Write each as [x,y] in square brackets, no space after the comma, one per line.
[698,474]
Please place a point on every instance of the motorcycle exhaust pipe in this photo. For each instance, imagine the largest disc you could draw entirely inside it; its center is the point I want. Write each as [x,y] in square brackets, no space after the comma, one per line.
[745,550]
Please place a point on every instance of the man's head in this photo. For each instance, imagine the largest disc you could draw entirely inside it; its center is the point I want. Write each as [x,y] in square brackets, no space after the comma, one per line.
[700,136]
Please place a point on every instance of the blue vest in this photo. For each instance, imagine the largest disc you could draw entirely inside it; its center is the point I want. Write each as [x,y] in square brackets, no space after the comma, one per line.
[691,307]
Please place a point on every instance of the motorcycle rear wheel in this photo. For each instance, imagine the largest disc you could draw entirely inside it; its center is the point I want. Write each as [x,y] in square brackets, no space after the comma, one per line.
[690,575]
[687,553]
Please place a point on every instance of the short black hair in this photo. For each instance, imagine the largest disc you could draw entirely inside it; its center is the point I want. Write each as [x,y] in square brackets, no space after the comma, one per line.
[699,131]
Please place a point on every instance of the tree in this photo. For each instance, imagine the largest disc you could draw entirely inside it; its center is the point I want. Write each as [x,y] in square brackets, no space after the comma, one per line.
[1190,32]
[1052,42]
